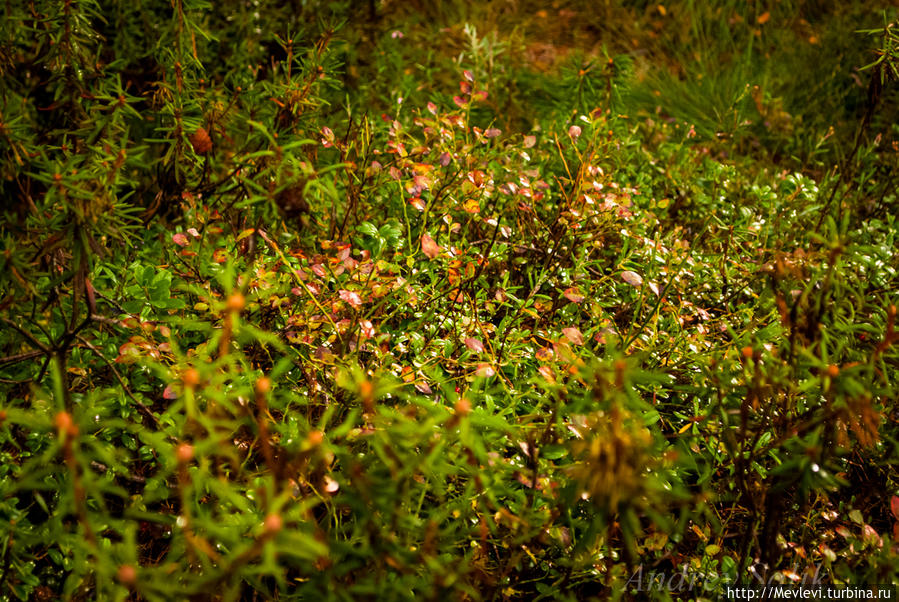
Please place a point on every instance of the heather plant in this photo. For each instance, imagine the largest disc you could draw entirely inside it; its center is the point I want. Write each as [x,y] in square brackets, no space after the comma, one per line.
[270,331]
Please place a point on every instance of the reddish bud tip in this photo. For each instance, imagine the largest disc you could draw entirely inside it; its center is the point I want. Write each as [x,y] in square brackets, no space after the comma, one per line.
[127,575]
[66,424]
[263,386]
[190,378]
[316,438]
[273,523]
[184,453]
[236,302]
[201,142]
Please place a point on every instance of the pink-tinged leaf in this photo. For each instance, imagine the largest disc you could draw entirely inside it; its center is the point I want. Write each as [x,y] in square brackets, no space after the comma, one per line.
[319,270]
[492,133]
[574,131]
[395,173]
[632,278]
[429,247]
[530,141]
[508,188]
[485,370]
[465,87]
[180,240]
[474,345]
[432,108]
[547,373]
[350,297]
[843,532]
[468,75]
[445,159]
[574,335]
[418,203]
[170,393]
[544,354]
[894,506]
[131,322]
[573,295]
[871,537]
[193,232]
[396,33]
[480,95]
[368,331]
[460,102]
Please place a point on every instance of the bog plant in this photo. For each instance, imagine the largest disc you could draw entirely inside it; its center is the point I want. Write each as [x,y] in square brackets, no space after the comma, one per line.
[261,341]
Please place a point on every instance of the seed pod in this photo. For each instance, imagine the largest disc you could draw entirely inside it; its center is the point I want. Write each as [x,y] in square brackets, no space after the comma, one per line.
[201,141]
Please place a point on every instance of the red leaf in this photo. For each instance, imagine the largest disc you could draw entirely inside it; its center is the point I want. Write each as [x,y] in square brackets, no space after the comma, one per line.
[530,141]
[180,240]
[573,295]
[474,345]
[894,506]
[574,131]
[350,297]
[574,335]
[485,370]
[368,331]
[547,373]
[429,247]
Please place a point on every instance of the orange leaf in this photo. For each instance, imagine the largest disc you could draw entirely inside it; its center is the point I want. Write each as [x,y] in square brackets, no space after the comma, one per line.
[429,247]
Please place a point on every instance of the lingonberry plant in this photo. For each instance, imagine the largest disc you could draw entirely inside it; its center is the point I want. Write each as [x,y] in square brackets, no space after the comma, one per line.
[264,336]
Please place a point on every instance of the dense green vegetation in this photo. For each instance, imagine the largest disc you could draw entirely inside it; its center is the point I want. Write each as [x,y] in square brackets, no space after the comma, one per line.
[446,301]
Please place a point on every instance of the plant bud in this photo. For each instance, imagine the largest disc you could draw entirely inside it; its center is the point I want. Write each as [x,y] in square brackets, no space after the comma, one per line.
[201,142]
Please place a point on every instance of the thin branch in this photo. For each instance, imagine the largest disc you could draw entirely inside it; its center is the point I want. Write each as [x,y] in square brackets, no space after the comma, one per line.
[26,334]
[121,380]
[20,357]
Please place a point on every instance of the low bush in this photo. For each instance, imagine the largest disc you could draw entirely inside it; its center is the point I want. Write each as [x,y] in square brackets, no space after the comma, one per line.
[260,342]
